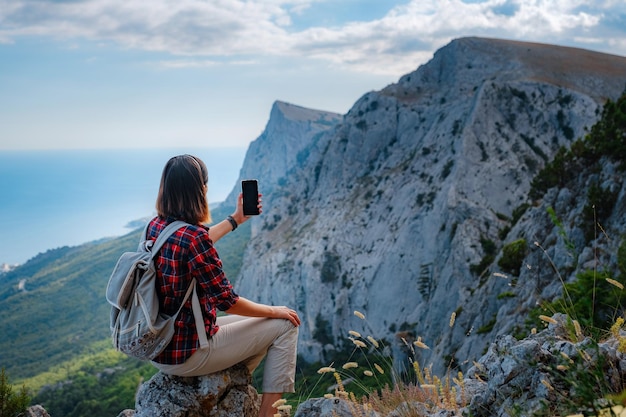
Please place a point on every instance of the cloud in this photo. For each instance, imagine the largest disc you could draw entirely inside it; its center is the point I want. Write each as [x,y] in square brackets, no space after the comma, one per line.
[200,63]
[394,43]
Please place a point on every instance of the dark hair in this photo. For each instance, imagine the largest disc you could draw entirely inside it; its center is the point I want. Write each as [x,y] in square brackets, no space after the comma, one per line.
[182,193]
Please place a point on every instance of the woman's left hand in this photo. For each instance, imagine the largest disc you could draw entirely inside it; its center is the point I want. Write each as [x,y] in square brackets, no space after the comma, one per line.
[282,312]
[245,307]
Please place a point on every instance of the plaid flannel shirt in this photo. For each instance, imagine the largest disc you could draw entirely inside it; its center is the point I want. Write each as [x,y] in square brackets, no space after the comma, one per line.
[189,253]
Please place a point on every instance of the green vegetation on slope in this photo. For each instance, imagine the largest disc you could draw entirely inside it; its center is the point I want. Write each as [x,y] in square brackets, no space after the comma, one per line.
[11,403]
[607,138]
[99,383]
[62,309]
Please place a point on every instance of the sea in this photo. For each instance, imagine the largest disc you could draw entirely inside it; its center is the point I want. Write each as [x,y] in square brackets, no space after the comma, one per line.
[55,198]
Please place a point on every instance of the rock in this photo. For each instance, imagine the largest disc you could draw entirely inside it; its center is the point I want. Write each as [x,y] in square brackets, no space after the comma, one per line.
[522,374]
[36,411]
[223,394]
[330,407]
[514,377]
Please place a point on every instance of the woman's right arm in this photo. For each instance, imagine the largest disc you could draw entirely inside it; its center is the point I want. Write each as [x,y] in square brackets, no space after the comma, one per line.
[245,307]
[219,230]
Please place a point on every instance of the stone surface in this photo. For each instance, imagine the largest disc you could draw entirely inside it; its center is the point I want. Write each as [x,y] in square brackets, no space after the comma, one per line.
[223,394]
[524,375]
[330,407]
[514,377]
[36,411]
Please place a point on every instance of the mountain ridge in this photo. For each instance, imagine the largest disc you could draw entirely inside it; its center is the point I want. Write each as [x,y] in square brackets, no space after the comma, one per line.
[393,209]
[596,74]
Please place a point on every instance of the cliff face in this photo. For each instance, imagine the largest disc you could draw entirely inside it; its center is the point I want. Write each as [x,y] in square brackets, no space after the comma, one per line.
[391,210]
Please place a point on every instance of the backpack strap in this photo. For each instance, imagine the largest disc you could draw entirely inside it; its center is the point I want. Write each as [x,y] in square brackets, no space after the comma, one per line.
[197,314]
[195,301]
[165,234]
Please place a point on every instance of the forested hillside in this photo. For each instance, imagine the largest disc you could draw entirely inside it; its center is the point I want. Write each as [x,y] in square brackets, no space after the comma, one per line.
[54,308]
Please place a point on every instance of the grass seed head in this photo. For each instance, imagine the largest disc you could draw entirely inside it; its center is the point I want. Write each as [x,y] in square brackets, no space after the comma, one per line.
[359,343]
[420,344]
[379,369]
[547,385]
[354,333]
[373,341]
[547,319]
[615,283]
[280,402]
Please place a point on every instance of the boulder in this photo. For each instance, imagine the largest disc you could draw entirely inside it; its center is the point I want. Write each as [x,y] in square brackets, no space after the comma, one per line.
[36,411]
[226,393]
[331,407]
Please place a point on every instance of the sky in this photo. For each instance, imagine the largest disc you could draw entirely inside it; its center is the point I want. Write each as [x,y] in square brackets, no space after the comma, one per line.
[85,74]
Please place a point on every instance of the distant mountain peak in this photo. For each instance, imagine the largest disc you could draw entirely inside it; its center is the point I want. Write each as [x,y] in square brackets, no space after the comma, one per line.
[298,113]
[289,130]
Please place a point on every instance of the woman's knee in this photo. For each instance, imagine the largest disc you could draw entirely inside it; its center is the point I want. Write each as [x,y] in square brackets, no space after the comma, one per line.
[289,327]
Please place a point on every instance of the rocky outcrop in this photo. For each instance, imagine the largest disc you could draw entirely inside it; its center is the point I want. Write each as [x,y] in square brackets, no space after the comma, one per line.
[551,372]
[223,394]
[36,411]
[331,407]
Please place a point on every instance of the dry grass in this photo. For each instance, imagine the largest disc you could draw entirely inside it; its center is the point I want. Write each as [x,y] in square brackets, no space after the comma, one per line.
[425,393]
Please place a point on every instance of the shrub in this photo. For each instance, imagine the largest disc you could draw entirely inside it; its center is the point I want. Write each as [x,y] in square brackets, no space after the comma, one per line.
[513,255]
[600,203]
[621,258]
[322,332]
[330,270]
[518,212]
[447,169]
[607,138]
[592,300]
[12,404]
[489,249]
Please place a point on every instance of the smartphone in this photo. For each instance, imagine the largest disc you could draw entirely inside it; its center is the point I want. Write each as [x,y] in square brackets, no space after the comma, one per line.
[250,189]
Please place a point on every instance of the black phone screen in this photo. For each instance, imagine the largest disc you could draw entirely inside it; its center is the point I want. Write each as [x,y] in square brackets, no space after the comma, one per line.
[250,191]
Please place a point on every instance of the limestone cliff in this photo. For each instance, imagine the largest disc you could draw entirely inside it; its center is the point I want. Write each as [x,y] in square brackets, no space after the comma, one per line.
[393,209]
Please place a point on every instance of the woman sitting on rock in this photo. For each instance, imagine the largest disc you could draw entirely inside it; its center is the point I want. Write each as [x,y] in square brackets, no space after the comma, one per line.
[249,331]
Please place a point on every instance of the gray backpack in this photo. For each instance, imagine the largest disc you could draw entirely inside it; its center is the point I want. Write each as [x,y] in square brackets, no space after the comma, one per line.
[137,327]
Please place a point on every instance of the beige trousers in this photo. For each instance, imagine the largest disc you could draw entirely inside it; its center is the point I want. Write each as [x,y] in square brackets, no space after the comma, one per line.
[247,340]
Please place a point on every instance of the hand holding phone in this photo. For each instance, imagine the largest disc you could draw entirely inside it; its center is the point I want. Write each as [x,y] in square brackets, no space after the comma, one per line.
[250,190]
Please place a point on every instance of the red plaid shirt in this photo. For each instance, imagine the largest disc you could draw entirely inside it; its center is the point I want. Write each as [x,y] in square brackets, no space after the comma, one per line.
[189,253]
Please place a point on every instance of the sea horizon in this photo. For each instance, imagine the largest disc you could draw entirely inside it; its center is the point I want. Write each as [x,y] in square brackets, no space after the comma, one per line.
[55,198]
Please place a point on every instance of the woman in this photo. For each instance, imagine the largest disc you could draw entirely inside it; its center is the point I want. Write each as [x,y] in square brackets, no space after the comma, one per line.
[250,331]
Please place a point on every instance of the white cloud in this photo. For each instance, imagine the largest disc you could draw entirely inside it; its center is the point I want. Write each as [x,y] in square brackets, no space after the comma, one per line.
[395,43]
